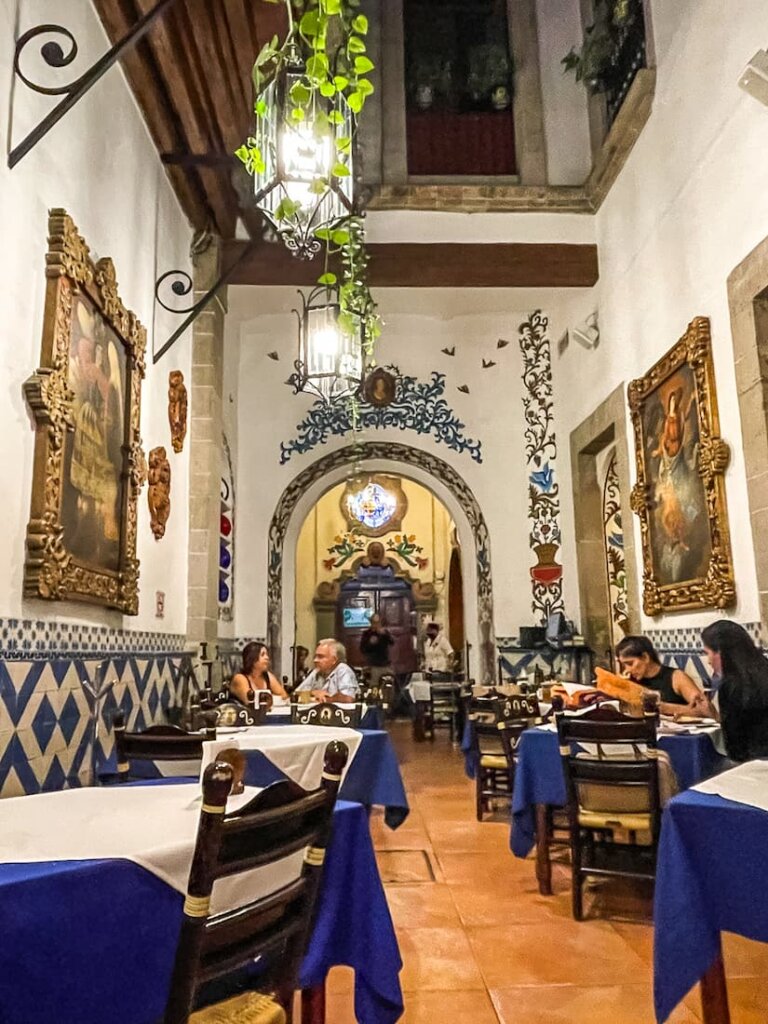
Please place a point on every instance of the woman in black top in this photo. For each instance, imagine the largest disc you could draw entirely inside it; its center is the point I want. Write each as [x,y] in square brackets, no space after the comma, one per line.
[743,692]
[678,694]
[255,675]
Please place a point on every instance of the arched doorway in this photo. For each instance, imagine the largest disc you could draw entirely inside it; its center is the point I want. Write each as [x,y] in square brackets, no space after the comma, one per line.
[305,489]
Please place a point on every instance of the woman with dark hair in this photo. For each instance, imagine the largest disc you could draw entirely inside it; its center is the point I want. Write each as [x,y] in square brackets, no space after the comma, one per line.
[743,691]
[678,694]
[255,675]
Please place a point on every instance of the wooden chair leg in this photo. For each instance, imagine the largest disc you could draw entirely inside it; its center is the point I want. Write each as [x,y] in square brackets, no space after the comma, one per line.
[543,862]
[313,1005]
[714,994]
[577,880]
[479,803]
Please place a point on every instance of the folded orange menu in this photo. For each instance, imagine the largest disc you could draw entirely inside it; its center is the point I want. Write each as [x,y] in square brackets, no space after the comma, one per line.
[618,687]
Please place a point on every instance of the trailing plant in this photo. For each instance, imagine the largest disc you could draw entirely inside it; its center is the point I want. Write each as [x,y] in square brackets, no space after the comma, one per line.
[595,63]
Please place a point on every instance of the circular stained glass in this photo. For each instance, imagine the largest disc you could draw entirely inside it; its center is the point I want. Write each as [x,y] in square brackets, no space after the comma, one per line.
[373,506]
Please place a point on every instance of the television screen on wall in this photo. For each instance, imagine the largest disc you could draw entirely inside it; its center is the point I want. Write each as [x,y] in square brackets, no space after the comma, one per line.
[357,618]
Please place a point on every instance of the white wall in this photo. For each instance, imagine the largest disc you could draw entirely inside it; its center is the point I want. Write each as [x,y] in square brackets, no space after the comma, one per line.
[564,100]
[99,164]
[418,324]
[689,205]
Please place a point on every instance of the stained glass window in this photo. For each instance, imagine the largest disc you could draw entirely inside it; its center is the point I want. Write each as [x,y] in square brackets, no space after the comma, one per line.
[373,506]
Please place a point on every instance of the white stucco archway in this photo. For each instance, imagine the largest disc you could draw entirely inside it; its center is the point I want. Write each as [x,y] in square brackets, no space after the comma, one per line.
[415,464]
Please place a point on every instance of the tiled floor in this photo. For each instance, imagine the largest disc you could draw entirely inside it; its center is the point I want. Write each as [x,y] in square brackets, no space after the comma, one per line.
[480,946]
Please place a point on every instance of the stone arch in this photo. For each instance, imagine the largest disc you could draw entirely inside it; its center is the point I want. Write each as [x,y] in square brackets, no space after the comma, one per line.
[422,466]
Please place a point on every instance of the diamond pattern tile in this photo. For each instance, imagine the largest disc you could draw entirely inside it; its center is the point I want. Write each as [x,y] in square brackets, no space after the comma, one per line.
[44,723]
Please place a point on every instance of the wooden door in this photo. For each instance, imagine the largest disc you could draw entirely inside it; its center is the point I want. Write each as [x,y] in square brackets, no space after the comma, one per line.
[396,609]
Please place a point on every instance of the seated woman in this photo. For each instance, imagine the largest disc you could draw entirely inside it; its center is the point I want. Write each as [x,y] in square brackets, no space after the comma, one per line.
[743,691]
[678,694]
[255,675]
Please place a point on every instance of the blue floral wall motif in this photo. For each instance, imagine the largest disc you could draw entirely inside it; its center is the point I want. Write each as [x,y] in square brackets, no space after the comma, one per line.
[418,406]
[541,453]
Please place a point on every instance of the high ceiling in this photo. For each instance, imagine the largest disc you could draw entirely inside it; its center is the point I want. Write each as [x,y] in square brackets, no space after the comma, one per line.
[191,75]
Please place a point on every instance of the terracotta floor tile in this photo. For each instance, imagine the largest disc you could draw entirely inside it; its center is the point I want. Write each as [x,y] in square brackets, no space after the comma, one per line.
[557,952]
[744,958]
[404,866]
[571,1004]
[490,872]
[748,1000]
[340,979]
[468,836]
[437,959]
[441,1007]
[422,906]
[339,1008]
[478,907]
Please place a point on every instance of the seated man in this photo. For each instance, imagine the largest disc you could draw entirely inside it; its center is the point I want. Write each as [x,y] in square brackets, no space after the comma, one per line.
[332,679]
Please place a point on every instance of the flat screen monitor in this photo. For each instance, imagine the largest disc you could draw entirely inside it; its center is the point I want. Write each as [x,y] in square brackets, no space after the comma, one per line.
[556,628]
[357,618]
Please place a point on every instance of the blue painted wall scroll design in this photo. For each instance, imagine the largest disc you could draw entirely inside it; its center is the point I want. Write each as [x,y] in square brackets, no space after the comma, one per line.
[541,453]
[614,553]
[418,406]
[391,452]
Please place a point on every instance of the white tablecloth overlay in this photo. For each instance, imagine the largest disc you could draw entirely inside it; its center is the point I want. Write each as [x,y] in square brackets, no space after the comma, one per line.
[298,750]
[746,784]
[153,826]
[419,689]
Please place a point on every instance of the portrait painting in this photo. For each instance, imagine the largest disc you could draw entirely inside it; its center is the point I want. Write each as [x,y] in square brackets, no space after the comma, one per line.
[679,495]
[89,465]
[379,388]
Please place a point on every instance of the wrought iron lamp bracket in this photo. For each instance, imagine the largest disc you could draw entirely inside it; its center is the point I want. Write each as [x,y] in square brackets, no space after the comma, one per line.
[183,285]
[57,57]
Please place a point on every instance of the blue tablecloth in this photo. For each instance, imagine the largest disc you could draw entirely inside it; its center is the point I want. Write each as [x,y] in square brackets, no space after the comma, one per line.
[93,942]
[539,776]
[373,778]
[713,856]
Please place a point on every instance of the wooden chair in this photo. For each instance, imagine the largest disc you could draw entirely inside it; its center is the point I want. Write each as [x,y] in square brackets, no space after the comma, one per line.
[444,709]
[159,743]
[345,716]
[275,929]
[381,695]
[609,793]
[496,740]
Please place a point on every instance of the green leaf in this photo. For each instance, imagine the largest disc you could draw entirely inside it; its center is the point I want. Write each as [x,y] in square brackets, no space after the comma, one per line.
[336,117]
[317,68]
[327,89]
[310,24]
[243,154]
[339,236]
[340,82]
[363,65]
[360,24]
[355,45]
[355,101]
[318,186]
[286,209]
[332,6]
[260,108]
[327,279]
[300,94]
[297,114]
[364,86]
[323,234]
[340,170]
[344,144]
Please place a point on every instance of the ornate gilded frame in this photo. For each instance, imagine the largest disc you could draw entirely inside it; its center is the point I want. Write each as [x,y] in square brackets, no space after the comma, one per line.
[394,485]
[50,570]
[717,588]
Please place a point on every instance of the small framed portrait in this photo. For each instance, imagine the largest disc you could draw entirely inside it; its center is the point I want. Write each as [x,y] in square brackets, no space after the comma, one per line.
[86,401]
[379,388]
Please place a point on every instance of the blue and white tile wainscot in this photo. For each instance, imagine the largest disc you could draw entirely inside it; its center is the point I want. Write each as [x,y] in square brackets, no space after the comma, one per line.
[46,703]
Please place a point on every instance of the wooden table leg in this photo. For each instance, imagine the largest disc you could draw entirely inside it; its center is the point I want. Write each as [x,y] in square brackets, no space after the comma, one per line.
[313,1005]
[419,730]
[714,994]
[543,863]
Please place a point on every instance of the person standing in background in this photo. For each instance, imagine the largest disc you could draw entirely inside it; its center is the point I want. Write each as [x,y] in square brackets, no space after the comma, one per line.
[374,645]
[438,653]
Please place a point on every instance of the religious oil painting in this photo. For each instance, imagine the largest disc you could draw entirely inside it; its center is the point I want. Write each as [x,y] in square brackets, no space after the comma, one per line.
[89,465]
[680,496]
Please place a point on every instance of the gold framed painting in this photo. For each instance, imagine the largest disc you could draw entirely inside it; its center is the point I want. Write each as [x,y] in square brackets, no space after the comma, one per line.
[86,401]
[680,492]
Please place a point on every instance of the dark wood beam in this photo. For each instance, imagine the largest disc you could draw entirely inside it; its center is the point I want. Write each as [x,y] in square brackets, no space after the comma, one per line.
[436,265]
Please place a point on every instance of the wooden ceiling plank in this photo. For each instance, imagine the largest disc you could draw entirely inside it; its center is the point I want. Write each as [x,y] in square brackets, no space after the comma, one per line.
[437,265]
[141,75]
[170,57]
[243,53]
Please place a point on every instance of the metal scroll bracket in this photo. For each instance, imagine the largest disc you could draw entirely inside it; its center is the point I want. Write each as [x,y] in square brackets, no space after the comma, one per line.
[55,56]
[184,284]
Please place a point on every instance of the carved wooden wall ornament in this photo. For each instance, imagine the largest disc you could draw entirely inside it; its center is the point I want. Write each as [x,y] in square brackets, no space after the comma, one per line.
[680,492]
[159,490]
[177,409]
[86,402]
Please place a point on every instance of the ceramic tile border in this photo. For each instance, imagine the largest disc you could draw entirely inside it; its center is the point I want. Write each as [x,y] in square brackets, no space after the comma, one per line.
[27,639]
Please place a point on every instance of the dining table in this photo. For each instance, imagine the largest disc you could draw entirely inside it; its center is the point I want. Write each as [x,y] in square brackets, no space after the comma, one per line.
[709,879]
[539,785]
[92,888]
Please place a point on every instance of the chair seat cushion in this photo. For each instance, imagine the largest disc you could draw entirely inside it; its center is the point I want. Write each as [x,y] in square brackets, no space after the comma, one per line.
[615,819]
[246,1008]
[493,761]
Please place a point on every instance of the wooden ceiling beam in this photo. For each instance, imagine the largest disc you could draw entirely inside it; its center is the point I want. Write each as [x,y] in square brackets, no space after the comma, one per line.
[435,265]
[240,33]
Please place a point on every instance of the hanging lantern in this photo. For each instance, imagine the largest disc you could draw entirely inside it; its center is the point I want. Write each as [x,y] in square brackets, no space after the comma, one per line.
[330,362]
[304,181]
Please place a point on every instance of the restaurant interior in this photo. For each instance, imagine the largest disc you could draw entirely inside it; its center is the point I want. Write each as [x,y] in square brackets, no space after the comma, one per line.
[385,618]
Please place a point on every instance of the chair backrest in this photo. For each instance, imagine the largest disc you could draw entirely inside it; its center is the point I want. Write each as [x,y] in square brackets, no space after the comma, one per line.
[346,716]
[158,743]
[624,778]
[382,694]
[444,696]
[280,821]
[517,707]
[495,731]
